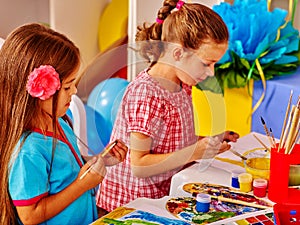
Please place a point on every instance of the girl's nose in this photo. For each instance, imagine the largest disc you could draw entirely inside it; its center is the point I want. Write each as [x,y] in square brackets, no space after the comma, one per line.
[74,90]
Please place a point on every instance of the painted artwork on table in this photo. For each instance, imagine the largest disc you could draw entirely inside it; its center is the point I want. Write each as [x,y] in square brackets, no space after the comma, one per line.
[131,216]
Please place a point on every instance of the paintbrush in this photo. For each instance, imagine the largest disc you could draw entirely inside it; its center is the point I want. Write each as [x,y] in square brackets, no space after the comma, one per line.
[285,119]
[293,129]
[235,201]
[287,129]
[104,153]
[267,131]
[238,154]
[273,138]
[107,150]
[86,172]
[261,142]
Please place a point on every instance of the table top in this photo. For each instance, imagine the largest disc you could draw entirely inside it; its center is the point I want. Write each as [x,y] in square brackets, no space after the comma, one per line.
[218,172]
[213,171]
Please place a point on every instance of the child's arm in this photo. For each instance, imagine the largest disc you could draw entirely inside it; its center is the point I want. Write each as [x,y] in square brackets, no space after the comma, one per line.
[146,164]
[52,205]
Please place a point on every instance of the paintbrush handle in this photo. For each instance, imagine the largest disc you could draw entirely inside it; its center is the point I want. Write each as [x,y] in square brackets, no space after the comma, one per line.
[261,142]
[107,150]
[285,120]
[287,128]
[86,172]
[238,154]
[293,130]
[230,200]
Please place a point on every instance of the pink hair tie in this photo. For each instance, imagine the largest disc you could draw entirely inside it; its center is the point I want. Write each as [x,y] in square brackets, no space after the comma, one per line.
[160,21]
[179,4]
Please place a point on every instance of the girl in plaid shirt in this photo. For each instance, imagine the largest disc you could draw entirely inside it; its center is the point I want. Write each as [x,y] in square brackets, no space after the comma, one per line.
[155,118]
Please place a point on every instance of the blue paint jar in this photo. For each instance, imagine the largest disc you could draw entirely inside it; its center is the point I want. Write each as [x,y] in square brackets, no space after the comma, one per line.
[203,202]
[234,178]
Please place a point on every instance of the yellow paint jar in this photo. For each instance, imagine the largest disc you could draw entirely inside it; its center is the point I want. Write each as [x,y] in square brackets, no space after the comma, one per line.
[245,181]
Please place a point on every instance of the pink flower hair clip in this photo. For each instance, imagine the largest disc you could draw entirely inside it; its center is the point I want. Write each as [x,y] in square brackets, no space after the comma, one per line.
[43,82]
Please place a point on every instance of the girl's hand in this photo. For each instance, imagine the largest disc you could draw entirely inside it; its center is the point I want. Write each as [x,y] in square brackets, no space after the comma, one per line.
[117,154]
[209,147]
[229,136]
[92,173]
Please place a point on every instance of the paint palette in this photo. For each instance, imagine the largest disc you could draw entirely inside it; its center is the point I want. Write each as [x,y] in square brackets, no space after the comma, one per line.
[263,219]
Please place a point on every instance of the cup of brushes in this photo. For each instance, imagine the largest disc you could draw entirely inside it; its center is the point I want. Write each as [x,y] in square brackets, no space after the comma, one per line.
[284,183]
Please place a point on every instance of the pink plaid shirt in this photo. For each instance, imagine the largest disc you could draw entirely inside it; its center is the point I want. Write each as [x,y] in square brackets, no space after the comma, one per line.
[164,116]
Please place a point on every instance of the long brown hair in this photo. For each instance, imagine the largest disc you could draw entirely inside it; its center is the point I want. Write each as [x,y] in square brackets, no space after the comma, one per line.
[26,48]
[190,26]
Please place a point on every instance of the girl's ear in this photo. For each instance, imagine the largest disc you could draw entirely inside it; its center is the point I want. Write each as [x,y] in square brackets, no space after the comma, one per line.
[177,53]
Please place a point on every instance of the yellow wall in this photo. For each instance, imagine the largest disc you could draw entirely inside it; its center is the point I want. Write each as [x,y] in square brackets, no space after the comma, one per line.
[215,113]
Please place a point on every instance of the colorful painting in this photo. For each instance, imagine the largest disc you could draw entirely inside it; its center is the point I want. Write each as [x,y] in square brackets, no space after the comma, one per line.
[130,216]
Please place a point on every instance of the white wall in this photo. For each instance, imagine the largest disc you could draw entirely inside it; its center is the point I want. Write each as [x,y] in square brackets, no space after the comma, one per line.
[79,20]
[14,13]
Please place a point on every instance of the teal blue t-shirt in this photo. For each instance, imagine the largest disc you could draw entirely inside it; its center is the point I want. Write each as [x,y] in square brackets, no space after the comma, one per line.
[29,179]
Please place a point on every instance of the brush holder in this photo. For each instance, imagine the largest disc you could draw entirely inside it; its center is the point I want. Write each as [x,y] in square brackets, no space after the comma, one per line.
[280,168]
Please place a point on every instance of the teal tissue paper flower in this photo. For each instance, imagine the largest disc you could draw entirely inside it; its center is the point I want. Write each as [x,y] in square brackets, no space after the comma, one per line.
[256,34]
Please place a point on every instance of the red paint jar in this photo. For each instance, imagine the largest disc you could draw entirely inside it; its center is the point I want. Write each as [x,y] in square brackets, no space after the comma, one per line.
[260,187]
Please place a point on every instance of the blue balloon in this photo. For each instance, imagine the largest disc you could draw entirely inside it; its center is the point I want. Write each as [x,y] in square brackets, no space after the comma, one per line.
[105,95]
[98,130]
[116,105]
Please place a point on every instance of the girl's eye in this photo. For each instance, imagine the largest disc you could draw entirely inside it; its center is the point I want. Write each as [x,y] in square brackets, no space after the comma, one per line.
[67,88]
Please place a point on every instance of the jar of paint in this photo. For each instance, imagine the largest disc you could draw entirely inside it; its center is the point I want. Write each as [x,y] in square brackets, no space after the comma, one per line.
[234,178]
[260,187]
[245,181]
[203,202]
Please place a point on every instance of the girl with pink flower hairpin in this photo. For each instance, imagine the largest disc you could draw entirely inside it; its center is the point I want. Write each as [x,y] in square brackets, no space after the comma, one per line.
[43,177]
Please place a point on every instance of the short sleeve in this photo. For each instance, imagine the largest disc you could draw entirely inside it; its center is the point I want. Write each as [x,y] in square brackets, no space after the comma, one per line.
[28,179]
[145,110]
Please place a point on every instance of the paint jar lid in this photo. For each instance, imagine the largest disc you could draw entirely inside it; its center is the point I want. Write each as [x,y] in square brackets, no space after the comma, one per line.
[204,198]
[259,182]
[245,178]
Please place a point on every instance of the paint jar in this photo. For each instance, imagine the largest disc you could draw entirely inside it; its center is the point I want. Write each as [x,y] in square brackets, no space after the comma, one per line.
[245,181]
[235,179]
[203,202]
[260,187]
